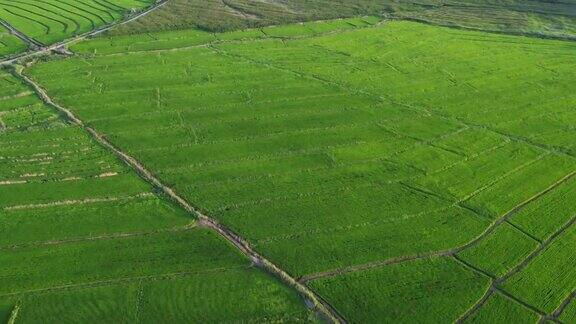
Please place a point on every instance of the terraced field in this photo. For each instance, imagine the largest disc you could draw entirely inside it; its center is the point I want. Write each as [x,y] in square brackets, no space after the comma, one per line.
[361,170]
[402,171]
[84,239]
[10,44]
[50,21]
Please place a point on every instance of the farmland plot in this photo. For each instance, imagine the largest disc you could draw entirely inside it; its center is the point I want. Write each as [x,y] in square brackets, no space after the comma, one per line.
[342,156]
[85,239]
[501,251]
[432,290]
[550,278]
[192,37]
[501,309]
[311,157]
[542,219]
[160,273]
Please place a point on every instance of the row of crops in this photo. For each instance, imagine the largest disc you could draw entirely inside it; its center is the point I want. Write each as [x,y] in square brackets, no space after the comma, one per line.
[84,239]
[50,21]
[404,171]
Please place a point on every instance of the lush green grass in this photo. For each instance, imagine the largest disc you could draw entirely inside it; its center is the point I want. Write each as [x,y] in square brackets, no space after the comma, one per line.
[500,309]
[430,290]
[505,195]
[501,251]
[50,21]
[84,239]
[518,16]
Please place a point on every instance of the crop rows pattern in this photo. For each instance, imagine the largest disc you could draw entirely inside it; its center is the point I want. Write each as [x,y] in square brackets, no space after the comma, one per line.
[403,171]
[84,239]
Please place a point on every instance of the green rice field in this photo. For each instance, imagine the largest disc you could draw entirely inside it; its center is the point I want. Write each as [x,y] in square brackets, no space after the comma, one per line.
[277,161]
[84,239]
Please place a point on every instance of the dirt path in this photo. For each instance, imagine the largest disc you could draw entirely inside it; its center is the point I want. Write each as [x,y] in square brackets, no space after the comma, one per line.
[60,45]
[321,306]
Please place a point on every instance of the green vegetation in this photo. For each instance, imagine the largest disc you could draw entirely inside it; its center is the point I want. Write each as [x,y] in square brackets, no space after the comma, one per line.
[501,251]
[550,277]
[544,218]
[402,171]
[50,21]
[539,17]
[500,309]
[431,290]
[193,37]
[84,239]
[226,294]
[318,142]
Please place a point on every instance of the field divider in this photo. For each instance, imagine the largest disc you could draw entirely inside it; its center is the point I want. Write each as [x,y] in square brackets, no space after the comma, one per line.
[321,306]
[78,201]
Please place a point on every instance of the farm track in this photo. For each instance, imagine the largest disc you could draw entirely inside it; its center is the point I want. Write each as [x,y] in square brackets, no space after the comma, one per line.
[320,305]
[47,49]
